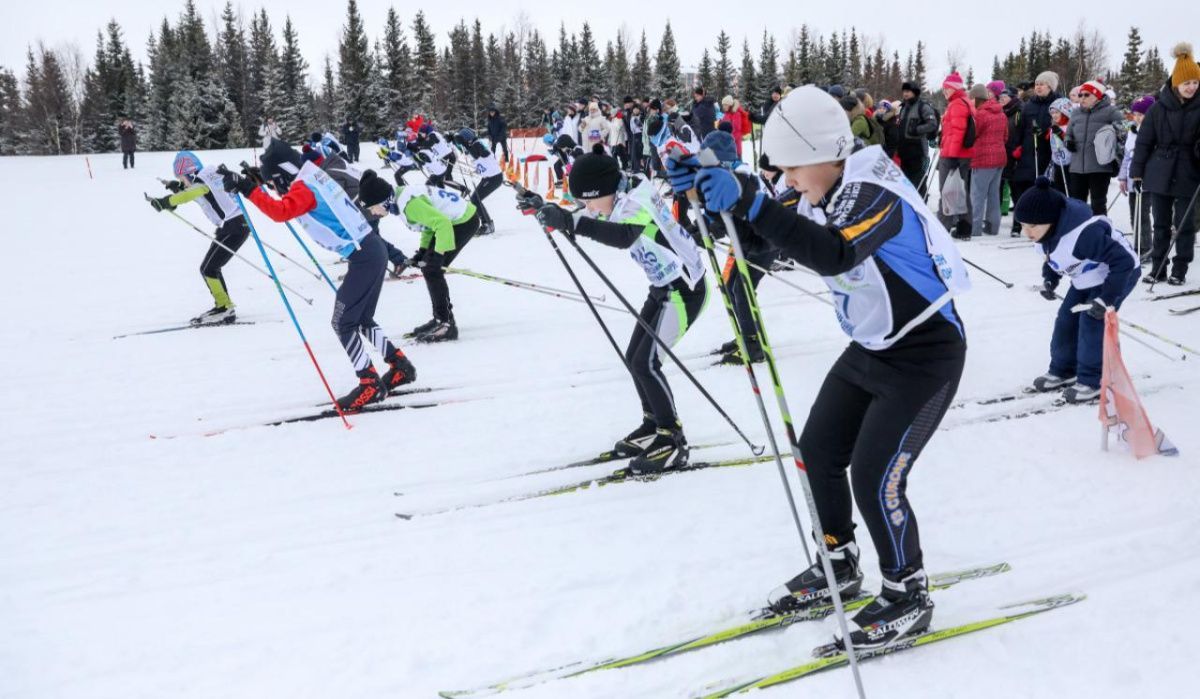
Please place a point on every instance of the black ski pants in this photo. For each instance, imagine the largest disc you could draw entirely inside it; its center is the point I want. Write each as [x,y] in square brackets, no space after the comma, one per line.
[126,159]
[232,234]
[485,187]
[1169,213]
[670,311]
[435,275]
[357,297]
[873,416]
[762,257]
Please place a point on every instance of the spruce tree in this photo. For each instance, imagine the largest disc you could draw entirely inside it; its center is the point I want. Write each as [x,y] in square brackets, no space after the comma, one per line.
[296,113]
[48,107]
[640,76]
[748,80]
[768,68]
[802,66]
[425,66]
[511,93]
[620,69]
[231,64]
[1154,70]
[722,69]
[395,70]
[325,103]
[918,67]
[261,59]
[704,75]
[667,80]
[539,78]
[1131,77]
[98,122]
[854,60]
[355,74]
[564,67]
[590,68]
[11,113]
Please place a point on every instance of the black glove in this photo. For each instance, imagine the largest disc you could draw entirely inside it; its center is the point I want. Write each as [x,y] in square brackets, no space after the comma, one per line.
[399,267]
[1098,309]
[555,218]
[173,186]
[233,182]
[418,257]
[253,173]
[1136,185]
[162,204]
[1072,145]
[529,203]
[432,260]
[1048,288]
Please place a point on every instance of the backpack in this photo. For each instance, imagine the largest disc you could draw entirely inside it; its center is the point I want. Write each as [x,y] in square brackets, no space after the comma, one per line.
[933,136]
[969,134]
[1107,145]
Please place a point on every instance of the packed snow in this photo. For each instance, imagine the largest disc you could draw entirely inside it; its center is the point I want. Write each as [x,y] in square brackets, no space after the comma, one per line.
[268,561]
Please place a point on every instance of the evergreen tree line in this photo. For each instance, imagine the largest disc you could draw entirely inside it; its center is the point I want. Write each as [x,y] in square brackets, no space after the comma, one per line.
[197,91]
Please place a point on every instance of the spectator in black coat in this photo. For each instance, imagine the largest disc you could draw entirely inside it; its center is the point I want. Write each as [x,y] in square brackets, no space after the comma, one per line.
[1029,143]
[1166,165]
[350,138]
[918,124]
[704,113]
[497,131]
[128,143]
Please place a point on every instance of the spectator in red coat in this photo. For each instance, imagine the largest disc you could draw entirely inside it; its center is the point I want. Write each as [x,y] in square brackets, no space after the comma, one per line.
[987,165]
[738,118]
[956,154]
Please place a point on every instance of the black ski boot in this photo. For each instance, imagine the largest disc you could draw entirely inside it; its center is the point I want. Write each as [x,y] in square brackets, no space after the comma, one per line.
[726,348]
[1049,382]
[667,450]
[444,331]
[734,358]
[401,371]
[370,389]
[903,608]
[422,328]
[636,441]
[810,587]
[217,315]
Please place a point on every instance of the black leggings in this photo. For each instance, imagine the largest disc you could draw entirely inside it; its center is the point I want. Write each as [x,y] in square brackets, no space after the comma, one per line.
[485,187]
[1169,215]
[435,276]
[670,311]
[1093,185]
[126,159]
[232,234]
[874,416]
[354,307]
[762,257]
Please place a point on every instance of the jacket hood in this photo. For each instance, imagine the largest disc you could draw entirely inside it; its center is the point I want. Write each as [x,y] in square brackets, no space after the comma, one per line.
[991,106]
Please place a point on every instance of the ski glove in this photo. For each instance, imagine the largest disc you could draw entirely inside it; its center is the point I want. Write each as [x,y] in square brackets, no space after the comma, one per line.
[724,190]
[528,203]
[682,173]
[555,218]
[162,204]
[233,182]
[1072,145]
[173,186]
[1047,291]
[1098,309]
[418,257]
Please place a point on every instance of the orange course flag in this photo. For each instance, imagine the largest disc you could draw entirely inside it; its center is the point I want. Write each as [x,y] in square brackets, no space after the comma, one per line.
[1121,411]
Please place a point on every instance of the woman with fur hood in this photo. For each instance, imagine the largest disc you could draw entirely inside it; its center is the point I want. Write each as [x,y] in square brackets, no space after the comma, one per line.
[594,128]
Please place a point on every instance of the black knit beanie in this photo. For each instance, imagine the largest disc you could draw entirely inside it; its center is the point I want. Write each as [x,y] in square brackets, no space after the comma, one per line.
[594,175]
[1040,204]
[373,189]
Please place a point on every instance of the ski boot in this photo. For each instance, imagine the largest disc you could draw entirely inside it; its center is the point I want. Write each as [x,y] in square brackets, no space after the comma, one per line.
[734,358]
[1176,279]
[1081,394]
[726,348]
[810,586]
[636,441]
[486,228]
[422,328]
[902,608]
[370,389]
[218,315]
[1049,382]
[444,331]
[401,371]
[667,450]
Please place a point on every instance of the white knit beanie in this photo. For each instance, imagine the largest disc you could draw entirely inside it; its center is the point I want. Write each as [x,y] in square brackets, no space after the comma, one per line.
[807,127]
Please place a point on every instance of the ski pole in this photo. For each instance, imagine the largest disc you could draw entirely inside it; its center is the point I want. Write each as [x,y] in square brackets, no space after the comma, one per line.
[815,294]
[1162,264]
[1137,224]
[233,252]
[740,337]
[287,304]
[520,284]
[270,247]
[1114,200]
[1007,285]
[801,469]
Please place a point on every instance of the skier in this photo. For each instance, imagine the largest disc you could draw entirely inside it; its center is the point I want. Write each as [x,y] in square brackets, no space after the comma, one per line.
[490,174]
[1103,269]
[436,157]
[334,222]
[563,151]
[446,221]
[633,216]
[203,185]
[893,271]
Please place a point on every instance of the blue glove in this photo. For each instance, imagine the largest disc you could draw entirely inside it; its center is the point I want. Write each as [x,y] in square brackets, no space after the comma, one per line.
[724,190]
[682,173]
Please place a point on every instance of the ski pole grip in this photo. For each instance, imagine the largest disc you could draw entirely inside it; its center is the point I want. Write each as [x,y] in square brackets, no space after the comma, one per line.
[708,158]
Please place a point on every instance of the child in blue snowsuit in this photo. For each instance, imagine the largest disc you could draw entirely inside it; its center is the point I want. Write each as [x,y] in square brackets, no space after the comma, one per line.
[1103,270]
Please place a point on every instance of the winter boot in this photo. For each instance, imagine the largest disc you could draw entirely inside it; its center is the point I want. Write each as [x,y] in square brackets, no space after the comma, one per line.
[902,608]
[370,389]
[1049,382]
[667,450]
[218,315]
[423,328]
[810,587]
[636,441]
[1081,394]
[1158,272]
[444,331]
[401,371]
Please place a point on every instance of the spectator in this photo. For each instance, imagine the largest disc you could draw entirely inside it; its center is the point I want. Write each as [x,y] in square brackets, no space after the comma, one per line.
[863,127]
[570,124]
[350,135]
[636,118]
[128,143]
[763,114]
[269,131]
[887,116]
[957,149]
[1094,138]
[1029,144]
[593,129]
[987,164]
[1011,104]
[1164,165]
[1073,95]
[497,130]
[1139,210]
[738,118]
[617,141]
[1060,157]
[704,113]
[918,124]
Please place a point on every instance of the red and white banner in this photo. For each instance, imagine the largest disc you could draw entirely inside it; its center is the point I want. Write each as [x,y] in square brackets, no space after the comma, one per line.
[1121,411]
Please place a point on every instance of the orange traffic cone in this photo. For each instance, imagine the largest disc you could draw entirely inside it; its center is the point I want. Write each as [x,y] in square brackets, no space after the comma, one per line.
[525,174]
[550,191]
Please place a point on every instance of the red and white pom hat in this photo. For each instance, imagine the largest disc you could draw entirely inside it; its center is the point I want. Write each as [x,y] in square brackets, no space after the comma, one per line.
[1093,88]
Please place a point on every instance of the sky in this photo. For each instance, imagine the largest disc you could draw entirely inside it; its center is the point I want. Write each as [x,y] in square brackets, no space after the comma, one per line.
[977,34]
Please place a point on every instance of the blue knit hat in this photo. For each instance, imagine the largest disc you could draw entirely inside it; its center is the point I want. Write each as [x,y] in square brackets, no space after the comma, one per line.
[721,144]
[1040,204]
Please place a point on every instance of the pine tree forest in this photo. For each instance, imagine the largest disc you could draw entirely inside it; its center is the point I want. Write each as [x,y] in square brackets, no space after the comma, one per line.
[204,87]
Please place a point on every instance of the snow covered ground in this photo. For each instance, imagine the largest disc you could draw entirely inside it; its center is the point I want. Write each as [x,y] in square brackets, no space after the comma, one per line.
[266,562]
